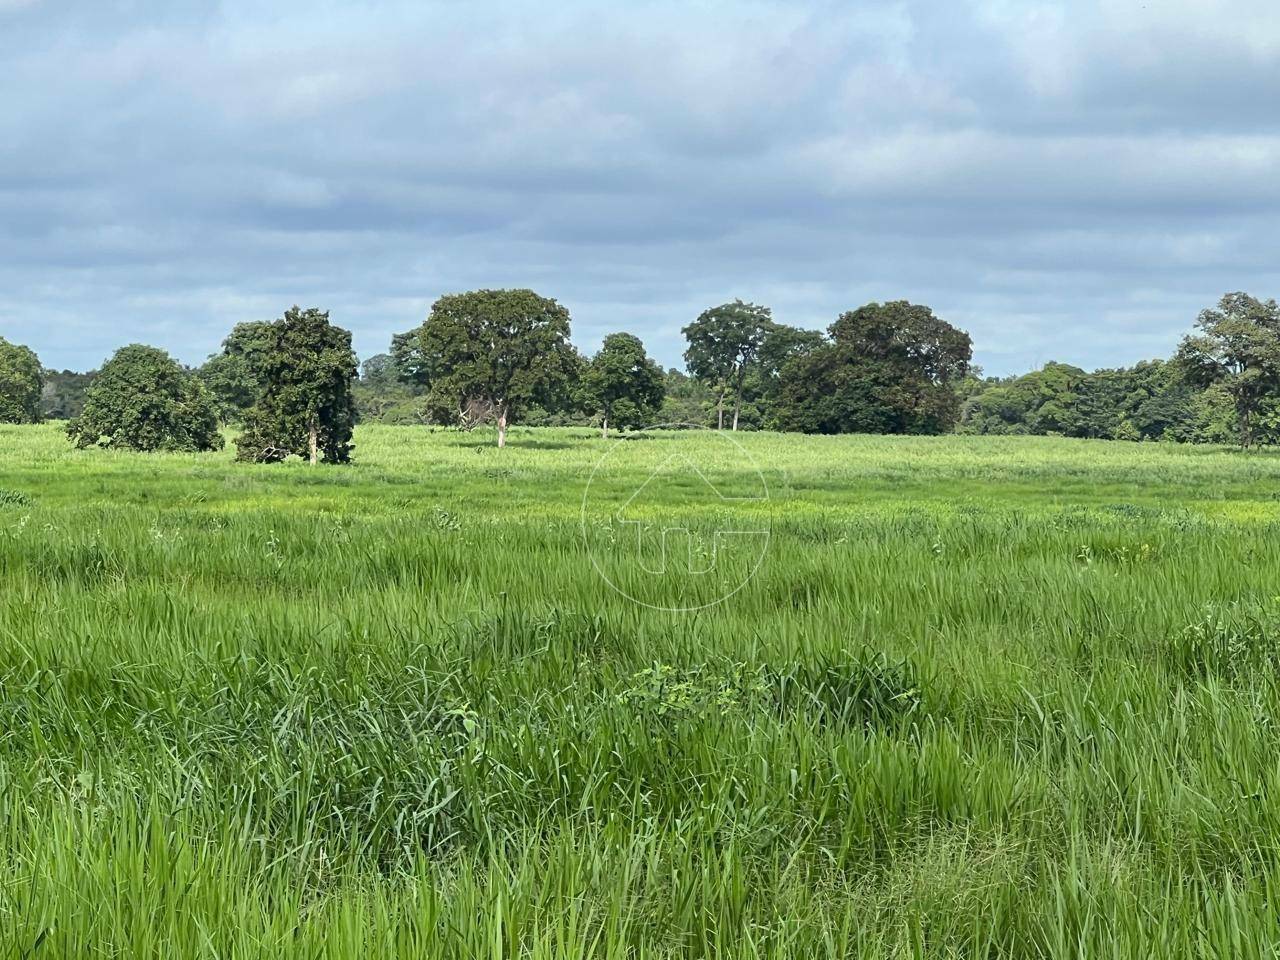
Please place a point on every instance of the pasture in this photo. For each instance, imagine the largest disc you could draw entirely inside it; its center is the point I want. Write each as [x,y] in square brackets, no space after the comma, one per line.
[980,697]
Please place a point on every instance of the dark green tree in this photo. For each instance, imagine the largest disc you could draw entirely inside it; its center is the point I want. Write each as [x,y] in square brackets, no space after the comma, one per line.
[407,360]
[621,385]
[234,376]
[489,354]
[21,383]
[305,404]
[723,343]
[143,400]
[1238,348]
[781,344]
[887,368]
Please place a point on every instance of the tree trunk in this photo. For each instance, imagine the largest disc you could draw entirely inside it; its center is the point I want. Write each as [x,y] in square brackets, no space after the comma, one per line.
[737,399]
[1246,428]
[313,445]
[720,411]
[502,428]
[604,429]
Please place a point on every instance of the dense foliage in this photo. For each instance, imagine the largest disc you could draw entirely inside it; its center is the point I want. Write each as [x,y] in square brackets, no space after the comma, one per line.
[236,375]
[1237,348]
[21,383]
[723,344]
[502,355]
[304,404]
[490,354]
[621,385]
[886,368]
[142,399]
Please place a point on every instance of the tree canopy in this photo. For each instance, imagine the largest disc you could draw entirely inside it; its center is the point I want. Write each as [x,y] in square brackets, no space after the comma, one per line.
[621,385]
[143,400]
[304,404]
[886,368]
[723,343]
[235,375]
[21,383]
[489,354]
[1238,347]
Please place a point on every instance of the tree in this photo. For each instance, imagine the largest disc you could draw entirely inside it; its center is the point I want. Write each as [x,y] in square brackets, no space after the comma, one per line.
[780,344]
[411,367]
[887,368]
[1238,347]
[304,404]
[21,383]
[622,385]
[143,400]
[234,376]
[488,354]
[723,343]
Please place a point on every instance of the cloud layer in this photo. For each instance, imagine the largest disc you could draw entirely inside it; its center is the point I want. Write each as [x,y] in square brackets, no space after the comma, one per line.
[1067,181]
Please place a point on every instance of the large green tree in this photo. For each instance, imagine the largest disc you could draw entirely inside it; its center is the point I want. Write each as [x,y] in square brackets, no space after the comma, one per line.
[887,368]
[142,399]
[21,381]
[622,385]
[723,343]
[489,354]
[304,405]
[1237,348]
[235,374]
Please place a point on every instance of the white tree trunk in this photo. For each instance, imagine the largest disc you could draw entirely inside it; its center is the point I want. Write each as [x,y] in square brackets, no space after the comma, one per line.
[604,428]
[502,429]
[720,411]
[313,445]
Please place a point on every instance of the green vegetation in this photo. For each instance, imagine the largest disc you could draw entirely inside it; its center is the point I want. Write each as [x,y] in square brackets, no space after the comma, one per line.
[488,355]
[985,697]
[21,382]
[302,369]
[621,385]
[142,400]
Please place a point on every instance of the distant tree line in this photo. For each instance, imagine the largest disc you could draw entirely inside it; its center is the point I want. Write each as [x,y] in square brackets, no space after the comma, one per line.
[293,386]
[1221,386]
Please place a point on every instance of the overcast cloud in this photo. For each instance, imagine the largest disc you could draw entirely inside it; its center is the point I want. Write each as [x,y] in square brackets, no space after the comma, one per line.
[1068,181]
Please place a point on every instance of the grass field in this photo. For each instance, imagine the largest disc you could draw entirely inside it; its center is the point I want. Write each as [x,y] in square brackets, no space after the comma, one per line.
[981,697]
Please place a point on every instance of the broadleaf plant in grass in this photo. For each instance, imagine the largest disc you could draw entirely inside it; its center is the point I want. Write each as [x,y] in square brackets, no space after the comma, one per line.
[143,400]
[21,382]
[489,354]
[622,385]
[305,405]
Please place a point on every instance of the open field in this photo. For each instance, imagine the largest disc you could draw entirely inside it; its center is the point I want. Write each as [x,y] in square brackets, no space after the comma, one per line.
[982,697]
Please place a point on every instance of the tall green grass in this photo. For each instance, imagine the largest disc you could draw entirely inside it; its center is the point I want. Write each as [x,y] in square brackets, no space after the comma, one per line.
[983,697]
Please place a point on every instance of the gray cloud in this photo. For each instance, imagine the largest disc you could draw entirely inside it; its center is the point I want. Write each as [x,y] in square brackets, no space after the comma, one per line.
[1067,181]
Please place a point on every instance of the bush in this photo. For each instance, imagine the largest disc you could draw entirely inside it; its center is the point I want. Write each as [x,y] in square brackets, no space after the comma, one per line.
[142,400]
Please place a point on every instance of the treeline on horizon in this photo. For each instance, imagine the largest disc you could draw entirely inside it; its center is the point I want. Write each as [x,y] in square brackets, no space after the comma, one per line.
[293,385]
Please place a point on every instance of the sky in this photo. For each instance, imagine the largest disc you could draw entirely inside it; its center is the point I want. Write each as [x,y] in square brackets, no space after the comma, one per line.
[1066,181]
